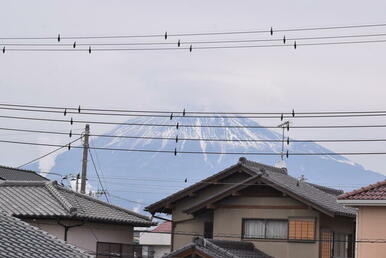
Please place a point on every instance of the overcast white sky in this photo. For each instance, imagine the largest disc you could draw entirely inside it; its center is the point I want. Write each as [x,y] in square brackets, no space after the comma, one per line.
[277,79]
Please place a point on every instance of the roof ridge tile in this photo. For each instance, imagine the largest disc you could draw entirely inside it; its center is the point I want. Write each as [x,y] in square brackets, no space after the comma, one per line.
[51,187]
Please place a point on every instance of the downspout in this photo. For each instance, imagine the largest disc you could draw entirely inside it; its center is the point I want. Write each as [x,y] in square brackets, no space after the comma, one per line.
[67,227]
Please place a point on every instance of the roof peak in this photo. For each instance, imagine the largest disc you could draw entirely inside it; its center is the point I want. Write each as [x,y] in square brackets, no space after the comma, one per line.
[362,189]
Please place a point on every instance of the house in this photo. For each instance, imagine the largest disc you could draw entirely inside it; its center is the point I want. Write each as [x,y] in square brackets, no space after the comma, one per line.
[17,174]
[78,219]
[20,239]
[210,248]
[370,224]
[158,239]
[282,216]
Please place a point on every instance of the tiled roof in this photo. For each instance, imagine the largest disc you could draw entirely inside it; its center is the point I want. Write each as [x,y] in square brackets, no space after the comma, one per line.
[375,191]
[165,227]
[302,190]
[313,195]
[50,200]
[20,239]
[221,249]
[17,174]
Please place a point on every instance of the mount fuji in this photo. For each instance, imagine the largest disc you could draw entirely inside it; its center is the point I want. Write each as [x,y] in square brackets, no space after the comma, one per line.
[144,177]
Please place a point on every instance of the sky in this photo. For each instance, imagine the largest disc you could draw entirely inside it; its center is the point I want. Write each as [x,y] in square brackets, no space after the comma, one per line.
[319,78]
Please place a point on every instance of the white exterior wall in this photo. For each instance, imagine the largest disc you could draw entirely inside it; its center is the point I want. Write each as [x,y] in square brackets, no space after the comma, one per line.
[161,242]
[87,235]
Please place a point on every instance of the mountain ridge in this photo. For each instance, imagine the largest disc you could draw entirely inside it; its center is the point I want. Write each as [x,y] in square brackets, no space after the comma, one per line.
[164,173]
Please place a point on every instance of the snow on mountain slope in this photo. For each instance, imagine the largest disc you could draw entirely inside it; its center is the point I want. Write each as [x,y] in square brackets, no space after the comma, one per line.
[148,177]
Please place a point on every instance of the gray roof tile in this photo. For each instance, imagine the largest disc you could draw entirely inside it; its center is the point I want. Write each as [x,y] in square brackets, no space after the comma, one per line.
[20,239]
[17,174]
[48,199]
[221,249]
[303,190]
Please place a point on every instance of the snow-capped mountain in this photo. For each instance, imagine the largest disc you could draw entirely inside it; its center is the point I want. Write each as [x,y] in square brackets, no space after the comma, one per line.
[147,177]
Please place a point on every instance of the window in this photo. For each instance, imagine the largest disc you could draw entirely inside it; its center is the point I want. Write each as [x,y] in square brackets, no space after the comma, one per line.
[342,245]
[265,228]
[208,229]
[301,229]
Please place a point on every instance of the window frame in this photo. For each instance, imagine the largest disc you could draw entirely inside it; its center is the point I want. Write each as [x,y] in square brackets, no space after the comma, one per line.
[303,218]
[265,231]
[280,239]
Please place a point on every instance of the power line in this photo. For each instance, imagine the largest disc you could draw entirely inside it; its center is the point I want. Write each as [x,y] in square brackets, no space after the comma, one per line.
[89,49]
[69,108]
[177,125]
[99,179]
[195,139]
[175,152]
[368,114]
[193,42]
[156,35]
[49,153]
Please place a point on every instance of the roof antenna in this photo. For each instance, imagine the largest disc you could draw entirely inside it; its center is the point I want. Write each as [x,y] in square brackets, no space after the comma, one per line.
[3,49]
[58,37]
[190,48]
[79,109]
[176,138]
[178,43]
[166,35]
[271,31]
[65,112]
[284,39]
[177,125]
[175,151]
[171,116]
[70,134]
[183,112]
[89,49]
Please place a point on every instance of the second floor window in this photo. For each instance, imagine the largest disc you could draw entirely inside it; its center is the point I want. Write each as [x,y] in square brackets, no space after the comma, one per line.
[265,228]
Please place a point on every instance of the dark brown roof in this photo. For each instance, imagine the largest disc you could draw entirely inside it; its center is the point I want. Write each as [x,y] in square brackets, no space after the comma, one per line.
[276,178]
[220,249]
[375,191]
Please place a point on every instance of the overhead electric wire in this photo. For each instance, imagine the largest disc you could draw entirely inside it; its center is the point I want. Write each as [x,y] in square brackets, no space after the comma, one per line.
[195,139]
[175,152]
[89,50]
[104,190]
[194,42]
[155,35]
[177,125]
[62,108]
[68,112]
[49,153]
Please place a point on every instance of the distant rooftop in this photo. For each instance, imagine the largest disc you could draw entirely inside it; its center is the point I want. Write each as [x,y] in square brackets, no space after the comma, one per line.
[17,174]
[20,239]
[165,227]
[47,199]
[220,249]
[375,191]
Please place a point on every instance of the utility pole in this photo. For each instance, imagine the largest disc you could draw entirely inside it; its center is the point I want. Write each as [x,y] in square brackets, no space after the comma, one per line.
[84,161]
[283,126]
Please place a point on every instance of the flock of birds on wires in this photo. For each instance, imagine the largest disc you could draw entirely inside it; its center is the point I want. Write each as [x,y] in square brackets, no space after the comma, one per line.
[269,38]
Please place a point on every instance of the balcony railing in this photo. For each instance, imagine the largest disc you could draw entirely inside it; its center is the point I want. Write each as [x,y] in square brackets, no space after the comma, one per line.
[113,250]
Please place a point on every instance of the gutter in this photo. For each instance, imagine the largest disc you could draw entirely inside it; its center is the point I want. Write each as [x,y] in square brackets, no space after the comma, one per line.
[363,202]
[67,227]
